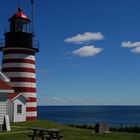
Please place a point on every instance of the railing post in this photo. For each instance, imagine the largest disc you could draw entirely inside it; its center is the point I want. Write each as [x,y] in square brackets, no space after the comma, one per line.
[2,43]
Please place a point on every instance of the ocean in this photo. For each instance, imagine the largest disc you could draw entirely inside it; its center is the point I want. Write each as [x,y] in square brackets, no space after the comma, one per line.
[114,115]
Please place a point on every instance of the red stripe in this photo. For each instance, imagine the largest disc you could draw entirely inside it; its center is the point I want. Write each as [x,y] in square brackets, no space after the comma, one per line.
[28,109]
[19,51]
[22,79]
[25,89]
[31,118]
[32,99]
[18,69]
[18,61]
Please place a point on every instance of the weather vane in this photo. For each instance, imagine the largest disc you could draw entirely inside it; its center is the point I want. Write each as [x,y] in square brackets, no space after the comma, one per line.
[33,30]
[32,3]
[19,2]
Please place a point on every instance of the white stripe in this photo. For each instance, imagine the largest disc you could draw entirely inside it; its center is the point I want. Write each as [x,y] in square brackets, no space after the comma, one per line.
[31,104]
[21,74]
[27,65]
[31,114]
[23,84]
[19,56]
[6,91]
[29,94]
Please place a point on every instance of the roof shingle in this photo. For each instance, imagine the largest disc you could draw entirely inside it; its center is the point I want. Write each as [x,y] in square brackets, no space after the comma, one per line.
[4,85]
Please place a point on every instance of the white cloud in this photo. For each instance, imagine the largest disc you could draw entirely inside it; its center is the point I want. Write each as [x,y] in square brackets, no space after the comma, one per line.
[42,71]
[86,37]
[136,50]
[129,44]
[87,51]
[69,101]
[56,99]
[135,46]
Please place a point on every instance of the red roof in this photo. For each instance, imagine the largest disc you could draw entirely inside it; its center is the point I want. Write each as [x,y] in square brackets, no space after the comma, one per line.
[4,85]
[20,15]
[12,95]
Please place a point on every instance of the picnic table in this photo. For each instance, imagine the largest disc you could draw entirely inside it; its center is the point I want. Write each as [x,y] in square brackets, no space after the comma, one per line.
[43,133]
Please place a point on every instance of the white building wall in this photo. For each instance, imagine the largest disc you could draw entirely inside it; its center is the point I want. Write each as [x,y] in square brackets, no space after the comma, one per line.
[10,110]
[3,103]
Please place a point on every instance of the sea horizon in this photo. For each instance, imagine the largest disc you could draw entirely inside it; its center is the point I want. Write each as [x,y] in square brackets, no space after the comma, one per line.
[88,105]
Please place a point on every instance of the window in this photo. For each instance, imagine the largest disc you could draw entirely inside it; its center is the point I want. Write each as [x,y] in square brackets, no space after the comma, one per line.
[19,109]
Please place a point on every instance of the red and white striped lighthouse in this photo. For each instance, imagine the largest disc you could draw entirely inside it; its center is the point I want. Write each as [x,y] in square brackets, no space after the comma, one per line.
[19,60]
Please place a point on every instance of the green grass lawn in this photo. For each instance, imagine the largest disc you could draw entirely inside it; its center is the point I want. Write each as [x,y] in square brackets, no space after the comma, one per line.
[19,132]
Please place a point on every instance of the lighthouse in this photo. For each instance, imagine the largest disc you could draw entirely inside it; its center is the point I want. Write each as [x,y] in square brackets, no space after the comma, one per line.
[18,61]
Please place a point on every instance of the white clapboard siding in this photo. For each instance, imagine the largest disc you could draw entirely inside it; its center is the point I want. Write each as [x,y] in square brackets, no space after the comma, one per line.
[2,111]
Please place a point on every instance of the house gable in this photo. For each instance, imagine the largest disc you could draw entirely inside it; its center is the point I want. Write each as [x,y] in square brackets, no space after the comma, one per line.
[4,84]
[5,87]
[15,96]
[4,77]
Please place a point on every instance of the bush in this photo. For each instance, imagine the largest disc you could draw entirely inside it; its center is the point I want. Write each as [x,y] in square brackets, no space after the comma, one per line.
[134,129]
[84,126]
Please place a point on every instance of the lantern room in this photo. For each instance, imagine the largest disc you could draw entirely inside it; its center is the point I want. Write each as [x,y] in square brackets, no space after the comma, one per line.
[19,33]
[19,22]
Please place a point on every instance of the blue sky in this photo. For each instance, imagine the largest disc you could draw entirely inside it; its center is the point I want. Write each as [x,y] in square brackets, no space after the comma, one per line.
[89,53]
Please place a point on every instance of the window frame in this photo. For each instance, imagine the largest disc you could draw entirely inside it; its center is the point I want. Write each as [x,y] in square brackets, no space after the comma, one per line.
[19,109]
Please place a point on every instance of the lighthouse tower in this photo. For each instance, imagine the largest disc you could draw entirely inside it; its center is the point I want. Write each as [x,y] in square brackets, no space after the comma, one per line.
[19,60]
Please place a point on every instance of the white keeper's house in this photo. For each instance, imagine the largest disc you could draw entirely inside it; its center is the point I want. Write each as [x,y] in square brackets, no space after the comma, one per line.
[11,103]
